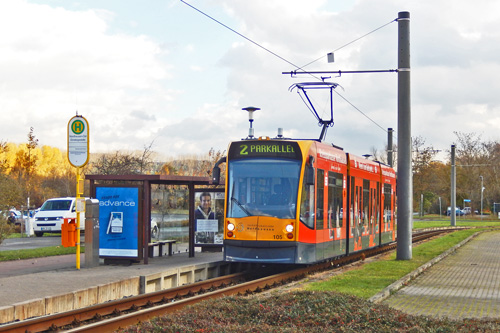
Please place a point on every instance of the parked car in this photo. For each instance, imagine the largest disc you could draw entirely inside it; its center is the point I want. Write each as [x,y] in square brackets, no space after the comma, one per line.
[51,215]
[458,211]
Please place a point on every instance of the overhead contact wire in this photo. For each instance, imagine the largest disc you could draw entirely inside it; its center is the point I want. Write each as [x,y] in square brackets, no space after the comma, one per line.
[290,63]
[239,34]
[351,42]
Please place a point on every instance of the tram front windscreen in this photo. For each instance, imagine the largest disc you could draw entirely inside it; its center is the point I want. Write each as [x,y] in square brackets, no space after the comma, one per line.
[263,187]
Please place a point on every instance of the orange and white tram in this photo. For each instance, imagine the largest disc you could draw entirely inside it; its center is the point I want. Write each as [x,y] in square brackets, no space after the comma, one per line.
[304,201]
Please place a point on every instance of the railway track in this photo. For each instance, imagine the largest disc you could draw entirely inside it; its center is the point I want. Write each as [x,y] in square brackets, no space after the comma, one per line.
[128,311]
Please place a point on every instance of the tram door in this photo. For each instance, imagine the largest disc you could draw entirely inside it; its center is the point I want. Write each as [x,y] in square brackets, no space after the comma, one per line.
[364,225]
[388,214]
[370,214]
[320,215]
[356,214]
[374,215]
[336,217]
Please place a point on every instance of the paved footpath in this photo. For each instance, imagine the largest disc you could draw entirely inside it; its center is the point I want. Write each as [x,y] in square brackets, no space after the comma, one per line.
[466,284]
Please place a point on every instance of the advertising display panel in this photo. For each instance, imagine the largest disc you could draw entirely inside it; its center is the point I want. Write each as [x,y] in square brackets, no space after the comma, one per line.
[208,218]
[119,214]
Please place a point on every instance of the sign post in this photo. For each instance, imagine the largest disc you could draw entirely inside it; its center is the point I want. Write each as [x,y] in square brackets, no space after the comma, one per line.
[78,156]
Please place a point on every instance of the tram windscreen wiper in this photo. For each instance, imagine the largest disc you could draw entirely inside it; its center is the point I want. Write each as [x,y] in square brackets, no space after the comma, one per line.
[240,206]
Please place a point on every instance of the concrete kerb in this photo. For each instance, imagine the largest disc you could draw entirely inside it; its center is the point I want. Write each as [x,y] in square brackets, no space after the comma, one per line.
[392,288]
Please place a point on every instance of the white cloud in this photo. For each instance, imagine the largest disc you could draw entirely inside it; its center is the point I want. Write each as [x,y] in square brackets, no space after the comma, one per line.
[58,61]
[176,77]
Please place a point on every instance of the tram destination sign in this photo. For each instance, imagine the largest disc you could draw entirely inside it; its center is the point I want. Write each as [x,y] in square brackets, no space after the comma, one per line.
[276,149]
[78,141]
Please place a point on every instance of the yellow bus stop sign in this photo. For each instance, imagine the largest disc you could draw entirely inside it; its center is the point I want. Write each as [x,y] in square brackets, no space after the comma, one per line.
[78,141]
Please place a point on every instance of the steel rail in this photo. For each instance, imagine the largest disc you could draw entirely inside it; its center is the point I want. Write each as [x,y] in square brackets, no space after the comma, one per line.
[52,322]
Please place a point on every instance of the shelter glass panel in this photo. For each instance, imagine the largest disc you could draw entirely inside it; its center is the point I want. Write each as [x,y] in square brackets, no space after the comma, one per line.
[170,214]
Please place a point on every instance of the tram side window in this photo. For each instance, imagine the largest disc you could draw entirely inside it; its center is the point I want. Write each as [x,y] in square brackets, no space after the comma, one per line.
[366,200]
[374,202]
[373,205]
[320,197]
[335,200]
[353,209]
[387,203]
[307,205]
[370,207]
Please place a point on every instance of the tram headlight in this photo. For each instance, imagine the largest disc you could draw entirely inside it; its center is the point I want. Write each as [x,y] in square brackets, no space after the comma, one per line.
[289,228]
[230,226]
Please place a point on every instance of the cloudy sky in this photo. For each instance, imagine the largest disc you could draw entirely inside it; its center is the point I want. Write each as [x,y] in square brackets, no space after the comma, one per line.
[160,71]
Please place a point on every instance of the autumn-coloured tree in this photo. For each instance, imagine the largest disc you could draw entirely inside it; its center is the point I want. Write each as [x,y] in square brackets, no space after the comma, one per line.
[167,169]
[4,165]
[10,194]
[423,166]
[25,164]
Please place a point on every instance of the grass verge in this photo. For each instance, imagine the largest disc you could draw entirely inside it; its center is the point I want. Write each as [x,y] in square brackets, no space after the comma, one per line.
[322,310]
[38,252]
[302,311]
[374,276]
[18,235]
[464,223]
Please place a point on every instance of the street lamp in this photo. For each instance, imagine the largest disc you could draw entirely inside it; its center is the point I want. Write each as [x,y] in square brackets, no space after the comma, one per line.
[250,110]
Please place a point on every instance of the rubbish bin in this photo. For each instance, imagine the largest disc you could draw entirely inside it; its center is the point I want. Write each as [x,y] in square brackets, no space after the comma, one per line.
[68,232]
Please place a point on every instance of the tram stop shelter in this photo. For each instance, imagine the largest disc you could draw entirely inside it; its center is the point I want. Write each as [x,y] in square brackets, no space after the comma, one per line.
[142,184]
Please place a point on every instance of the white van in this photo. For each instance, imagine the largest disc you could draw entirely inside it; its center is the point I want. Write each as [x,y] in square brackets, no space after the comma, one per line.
[51,215]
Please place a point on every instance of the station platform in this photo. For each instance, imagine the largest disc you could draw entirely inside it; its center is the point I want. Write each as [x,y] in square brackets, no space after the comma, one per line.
[464,284]
[42,286]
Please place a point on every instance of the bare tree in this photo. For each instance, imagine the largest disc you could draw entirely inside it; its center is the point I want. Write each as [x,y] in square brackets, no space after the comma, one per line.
[194,165]
[117,163]
[121,163]
[476,160]
[146,161]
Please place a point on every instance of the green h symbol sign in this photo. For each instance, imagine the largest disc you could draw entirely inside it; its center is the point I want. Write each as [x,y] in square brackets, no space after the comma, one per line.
[78,127]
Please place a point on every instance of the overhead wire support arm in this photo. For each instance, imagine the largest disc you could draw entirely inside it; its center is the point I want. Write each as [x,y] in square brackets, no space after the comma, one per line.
[293,73]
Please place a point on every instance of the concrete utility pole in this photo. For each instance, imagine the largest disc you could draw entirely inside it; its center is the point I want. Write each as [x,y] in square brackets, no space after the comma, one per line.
[453,211]
[390,149]
[405,184]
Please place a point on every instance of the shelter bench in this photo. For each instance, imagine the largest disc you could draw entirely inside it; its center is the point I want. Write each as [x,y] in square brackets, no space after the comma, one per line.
[160,245]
